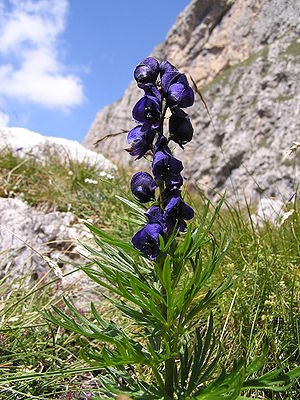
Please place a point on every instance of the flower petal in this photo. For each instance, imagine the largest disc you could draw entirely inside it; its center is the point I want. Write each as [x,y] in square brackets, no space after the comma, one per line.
[146,71]
[147,240]
[180,127]
[146,109]
[141,186]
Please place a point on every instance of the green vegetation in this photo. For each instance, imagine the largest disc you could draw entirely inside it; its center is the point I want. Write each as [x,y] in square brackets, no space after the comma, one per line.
[264,141]
[224,75]
[259,313]
[284,98]
[239,121]
[294,48]
[223,117]
[70,186]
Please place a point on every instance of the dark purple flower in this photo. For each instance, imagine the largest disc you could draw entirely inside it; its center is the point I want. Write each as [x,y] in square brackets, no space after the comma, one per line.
[180,94]
[165,167]
[147,109]
[140,139]
[147,240]
[176,210]
[151,91]
[175,87]
[166,66]
[142,186]
[180,127]
[168,73]
[155,215]
[147,71]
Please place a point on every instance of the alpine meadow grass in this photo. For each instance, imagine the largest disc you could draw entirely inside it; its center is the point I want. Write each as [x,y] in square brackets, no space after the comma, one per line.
[258,314]
[202,304]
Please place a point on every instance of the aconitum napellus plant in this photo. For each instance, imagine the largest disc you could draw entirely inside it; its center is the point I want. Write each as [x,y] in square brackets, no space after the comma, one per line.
[165,88]
[161,348]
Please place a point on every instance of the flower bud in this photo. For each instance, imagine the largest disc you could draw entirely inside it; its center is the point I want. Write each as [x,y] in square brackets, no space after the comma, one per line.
[142,186]
[147,71]
[180,127]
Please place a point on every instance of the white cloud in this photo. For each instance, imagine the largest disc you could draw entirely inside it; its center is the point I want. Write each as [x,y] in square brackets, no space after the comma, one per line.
[4,118]
[32,69]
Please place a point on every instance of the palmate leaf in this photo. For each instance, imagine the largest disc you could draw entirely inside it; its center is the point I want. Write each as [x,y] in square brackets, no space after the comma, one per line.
[144,298]
[122,275]
[121,380]
[210,296]
[113,358]
[193,285]
[230,386]
[226,386]
[142,317]
[124,350]
[116,258]
[115,255]
[154,339]
[197,362]
[197,365]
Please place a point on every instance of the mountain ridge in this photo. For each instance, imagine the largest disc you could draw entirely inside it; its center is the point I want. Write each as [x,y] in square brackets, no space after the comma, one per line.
[244,57]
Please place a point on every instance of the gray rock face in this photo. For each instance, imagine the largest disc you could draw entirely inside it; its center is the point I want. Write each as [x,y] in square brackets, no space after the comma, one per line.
[34,243]
[244,56]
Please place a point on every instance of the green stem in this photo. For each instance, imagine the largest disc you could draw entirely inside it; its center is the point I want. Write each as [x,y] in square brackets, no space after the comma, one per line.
[163,114]
[170,363]
[169,377]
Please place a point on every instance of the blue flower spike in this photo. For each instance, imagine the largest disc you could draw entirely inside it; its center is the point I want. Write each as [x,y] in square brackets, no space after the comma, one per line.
[170,210]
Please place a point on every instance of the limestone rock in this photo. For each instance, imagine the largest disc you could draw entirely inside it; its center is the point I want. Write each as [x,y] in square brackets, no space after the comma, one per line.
[34,243]
[270,210]
[244,56]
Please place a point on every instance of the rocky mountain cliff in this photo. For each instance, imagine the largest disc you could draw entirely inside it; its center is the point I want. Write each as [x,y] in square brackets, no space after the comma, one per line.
[244,56]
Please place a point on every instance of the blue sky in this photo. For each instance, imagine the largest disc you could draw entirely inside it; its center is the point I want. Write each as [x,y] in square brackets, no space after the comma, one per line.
[61,61]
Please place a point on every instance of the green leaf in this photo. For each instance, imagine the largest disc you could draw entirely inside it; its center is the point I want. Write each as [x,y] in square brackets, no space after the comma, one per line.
[199,234]
[226,386]
[185,366]
[135,207]
[110,240]
[208,298]
[166,275]
[197,362]
[275,380]
[256,364]
[161,243]
[182,248]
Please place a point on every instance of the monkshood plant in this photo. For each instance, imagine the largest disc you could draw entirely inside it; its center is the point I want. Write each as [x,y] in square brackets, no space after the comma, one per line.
[161,282]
